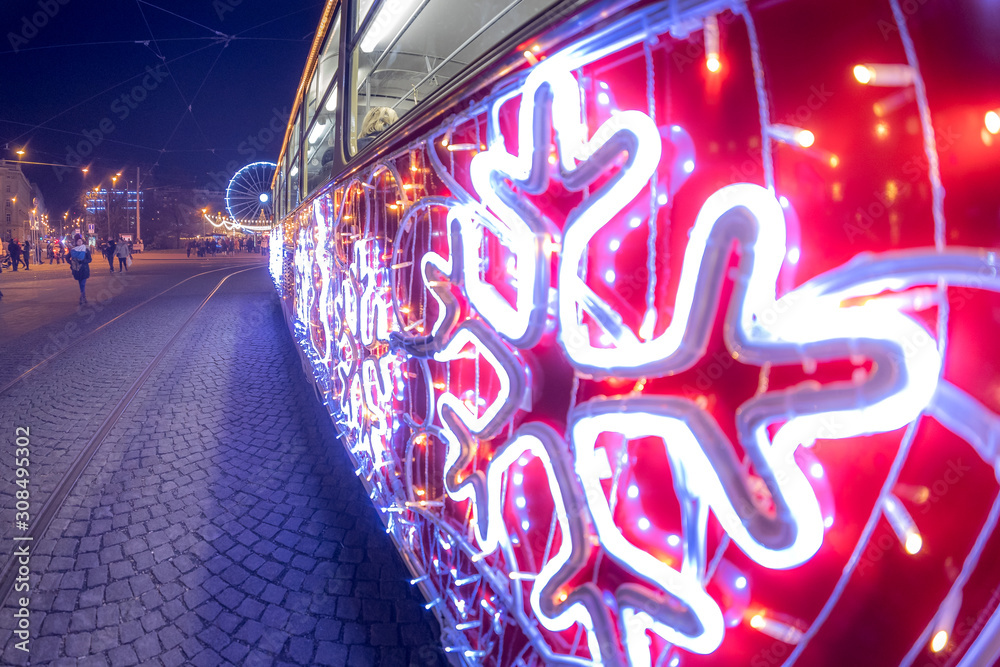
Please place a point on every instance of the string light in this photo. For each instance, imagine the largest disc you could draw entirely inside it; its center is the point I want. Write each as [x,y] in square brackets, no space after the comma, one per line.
[891,75]
[782,631]
[713,62]
[992,122]
[790,134]
[498,319]
[944,622]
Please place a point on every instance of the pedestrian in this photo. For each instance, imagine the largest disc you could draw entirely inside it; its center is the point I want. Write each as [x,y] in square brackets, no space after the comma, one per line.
[109,252]
[58,251]
[14,249]
[26,254]
[49,253]
[79,264]
[123,254]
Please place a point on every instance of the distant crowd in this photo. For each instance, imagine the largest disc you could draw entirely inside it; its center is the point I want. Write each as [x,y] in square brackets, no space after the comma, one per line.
[17,254]
[211,246]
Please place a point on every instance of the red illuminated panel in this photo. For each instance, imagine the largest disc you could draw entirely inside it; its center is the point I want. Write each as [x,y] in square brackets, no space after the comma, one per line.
[669,355]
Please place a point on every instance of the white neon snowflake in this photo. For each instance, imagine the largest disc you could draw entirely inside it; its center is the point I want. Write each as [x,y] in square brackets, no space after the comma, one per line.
[806,325]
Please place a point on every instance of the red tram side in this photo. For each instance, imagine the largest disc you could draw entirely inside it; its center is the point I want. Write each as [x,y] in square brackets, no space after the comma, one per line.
[649,326]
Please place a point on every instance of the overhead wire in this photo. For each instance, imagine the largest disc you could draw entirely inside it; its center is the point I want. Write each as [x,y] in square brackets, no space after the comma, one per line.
[261,25]
[153,44]
[108,43]
[77,134]
[187,104]
[102,92]
[183,18]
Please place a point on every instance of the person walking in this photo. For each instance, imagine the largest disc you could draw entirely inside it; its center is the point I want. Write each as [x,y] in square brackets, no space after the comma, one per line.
[14,250]
[26,254]
[49,253]
[123,254]
[109,251]
[79,264]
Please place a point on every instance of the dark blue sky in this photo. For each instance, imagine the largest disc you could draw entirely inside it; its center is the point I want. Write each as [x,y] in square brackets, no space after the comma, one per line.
[186,90]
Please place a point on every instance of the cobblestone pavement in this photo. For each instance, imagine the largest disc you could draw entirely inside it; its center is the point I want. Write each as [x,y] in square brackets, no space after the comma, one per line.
[220,522]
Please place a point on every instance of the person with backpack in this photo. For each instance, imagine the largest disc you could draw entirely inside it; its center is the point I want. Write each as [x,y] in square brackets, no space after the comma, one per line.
[79,264]
[109,253]
[14,249]
[124,255]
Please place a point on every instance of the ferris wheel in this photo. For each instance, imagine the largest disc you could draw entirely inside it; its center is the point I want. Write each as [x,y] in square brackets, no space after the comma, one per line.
[248,196]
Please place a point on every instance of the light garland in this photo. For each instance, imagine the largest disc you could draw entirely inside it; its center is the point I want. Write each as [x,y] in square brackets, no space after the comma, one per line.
[437,337]
[231,224]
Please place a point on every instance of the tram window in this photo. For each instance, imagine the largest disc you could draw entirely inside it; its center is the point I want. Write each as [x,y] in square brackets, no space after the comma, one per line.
[277,201]
[411,48]
[280,193]
[326,69]
[294,191]
[321,106]
[293,141]
[364,6]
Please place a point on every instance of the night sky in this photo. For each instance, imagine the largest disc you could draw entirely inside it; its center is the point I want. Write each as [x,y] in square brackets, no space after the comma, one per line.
[187,90]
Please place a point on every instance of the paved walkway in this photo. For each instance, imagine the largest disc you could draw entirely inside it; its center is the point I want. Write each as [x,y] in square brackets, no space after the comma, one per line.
[220,522]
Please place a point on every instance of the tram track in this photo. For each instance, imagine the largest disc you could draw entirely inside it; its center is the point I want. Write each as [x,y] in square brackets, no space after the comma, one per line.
[43,519]
[12,383]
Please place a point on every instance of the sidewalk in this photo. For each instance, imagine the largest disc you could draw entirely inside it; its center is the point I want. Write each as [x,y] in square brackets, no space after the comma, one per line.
[44,266]
[220,521]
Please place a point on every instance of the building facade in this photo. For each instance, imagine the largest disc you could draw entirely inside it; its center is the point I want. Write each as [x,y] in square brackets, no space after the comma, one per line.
[18,202]
[111,212]
[172,213]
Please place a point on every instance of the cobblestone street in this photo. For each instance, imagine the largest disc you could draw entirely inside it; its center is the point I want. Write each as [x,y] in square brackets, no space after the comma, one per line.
[219,521]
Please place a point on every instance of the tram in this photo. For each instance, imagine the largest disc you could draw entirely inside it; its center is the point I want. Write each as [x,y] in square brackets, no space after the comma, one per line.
[649,327]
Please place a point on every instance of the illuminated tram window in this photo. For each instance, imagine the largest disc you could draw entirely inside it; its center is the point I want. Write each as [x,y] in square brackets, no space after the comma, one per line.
[409,49]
